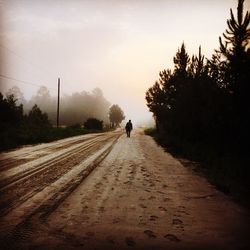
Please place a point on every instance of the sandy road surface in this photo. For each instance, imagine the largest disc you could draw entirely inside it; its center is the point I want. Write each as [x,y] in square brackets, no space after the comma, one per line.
[107,191]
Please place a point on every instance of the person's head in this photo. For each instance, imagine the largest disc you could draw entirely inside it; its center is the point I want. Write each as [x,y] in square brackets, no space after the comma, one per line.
[129,120]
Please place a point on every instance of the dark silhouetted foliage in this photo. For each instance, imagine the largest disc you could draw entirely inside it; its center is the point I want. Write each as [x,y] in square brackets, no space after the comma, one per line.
[26,122]
[37,118]
[93,123]
[35,127]
[11,113]
[202,108]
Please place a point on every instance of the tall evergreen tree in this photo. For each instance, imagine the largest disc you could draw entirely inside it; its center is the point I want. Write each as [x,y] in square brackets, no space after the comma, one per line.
[236,50]
[181,60]
[197,65]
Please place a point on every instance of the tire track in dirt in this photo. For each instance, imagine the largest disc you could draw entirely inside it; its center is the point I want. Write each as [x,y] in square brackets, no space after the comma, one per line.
[26,185]
[25,169]
[26,154]
[55,194]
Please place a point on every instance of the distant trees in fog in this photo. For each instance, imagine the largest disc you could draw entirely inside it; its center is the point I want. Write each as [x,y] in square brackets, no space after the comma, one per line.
[116,115]
[31,121]
[74,108]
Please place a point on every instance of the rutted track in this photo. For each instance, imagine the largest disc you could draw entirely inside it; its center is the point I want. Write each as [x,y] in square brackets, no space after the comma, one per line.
[19,184]
[12,159]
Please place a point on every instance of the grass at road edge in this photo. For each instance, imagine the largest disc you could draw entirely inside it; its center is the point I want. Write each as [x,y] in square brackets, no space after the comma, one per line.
[14,138]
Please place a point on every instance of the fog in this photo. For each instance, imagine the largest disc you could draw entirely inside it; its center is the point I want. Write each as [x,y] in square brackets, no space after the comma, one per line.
[74,108]
[117,46]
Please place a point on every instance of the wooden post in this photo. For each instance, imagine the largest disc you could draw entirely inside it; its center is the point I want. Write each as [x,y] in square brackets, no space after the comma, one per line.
[58,103]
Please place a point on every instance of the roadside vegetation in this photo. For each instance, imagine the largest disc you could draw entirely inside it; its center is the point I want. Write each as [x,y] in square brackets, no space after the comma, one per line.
[20,128]
[202,107]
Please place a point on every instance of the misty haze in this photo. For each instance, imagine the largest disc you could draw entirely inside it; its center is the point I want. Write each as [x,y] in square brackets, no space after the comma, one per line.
[124,124]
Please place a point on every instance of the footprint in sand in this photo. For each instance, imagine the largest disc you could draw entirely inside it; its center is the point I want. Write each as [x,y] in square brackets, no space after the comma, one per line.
[177,215]
[101,209]
[132,206]
[183,212]
[90,234]
[85,218]
[151,198]
[182,207]
[172,237]
[153,217]
[142,206]
[116,220]
[110,239]
[150,233]
[98,185]
[160,192]
[166,199]
[177,221]
[163,209]
[130,241]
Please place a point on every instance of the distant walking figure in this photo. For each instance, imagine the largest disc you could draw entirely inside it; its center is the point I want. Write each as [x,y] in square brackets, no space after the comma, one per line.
[128,128]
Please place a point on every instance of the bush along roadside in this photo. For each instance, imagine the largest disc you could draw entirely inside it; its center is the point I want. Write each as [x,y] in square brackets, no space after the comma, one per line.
[17,128]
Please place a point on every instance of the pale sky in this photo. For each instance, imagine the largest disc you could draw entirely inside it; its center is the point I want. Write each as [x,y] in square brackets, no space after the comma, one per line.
[117,45]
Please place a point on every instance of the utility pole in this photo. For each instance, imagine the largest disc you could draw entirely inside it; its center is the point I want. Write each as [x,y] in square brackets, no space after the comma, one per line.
[58,103]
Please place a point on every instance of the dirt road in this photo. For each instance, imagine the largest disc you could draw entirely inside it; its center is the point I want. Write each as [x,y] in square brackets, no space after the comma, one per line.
[107,191]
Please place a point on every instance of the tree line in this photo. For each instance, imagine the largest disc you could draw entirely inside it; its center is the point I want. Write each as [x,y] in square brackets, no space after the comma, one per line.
[74,108]
[202,106]
[33,121]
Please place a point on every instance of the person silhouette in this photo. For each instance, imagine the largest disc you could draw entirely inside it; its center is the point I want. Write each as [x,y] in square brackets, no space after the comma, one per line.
[129,127]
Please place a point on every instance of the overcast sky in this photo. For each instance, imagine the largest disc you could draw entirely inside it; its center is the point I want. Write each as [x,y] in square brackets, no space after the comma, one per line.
[117,45]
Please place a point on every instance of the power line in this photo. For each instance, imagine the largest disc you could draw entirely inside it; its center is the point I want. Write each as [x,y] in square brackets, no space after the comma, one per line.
[28,63]
[24,60]
[25,82]
[14,53]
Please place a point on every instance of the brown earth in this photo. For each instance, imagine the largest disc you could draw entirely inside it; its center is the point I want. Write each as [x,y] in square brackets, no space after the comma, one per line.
[107,191]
